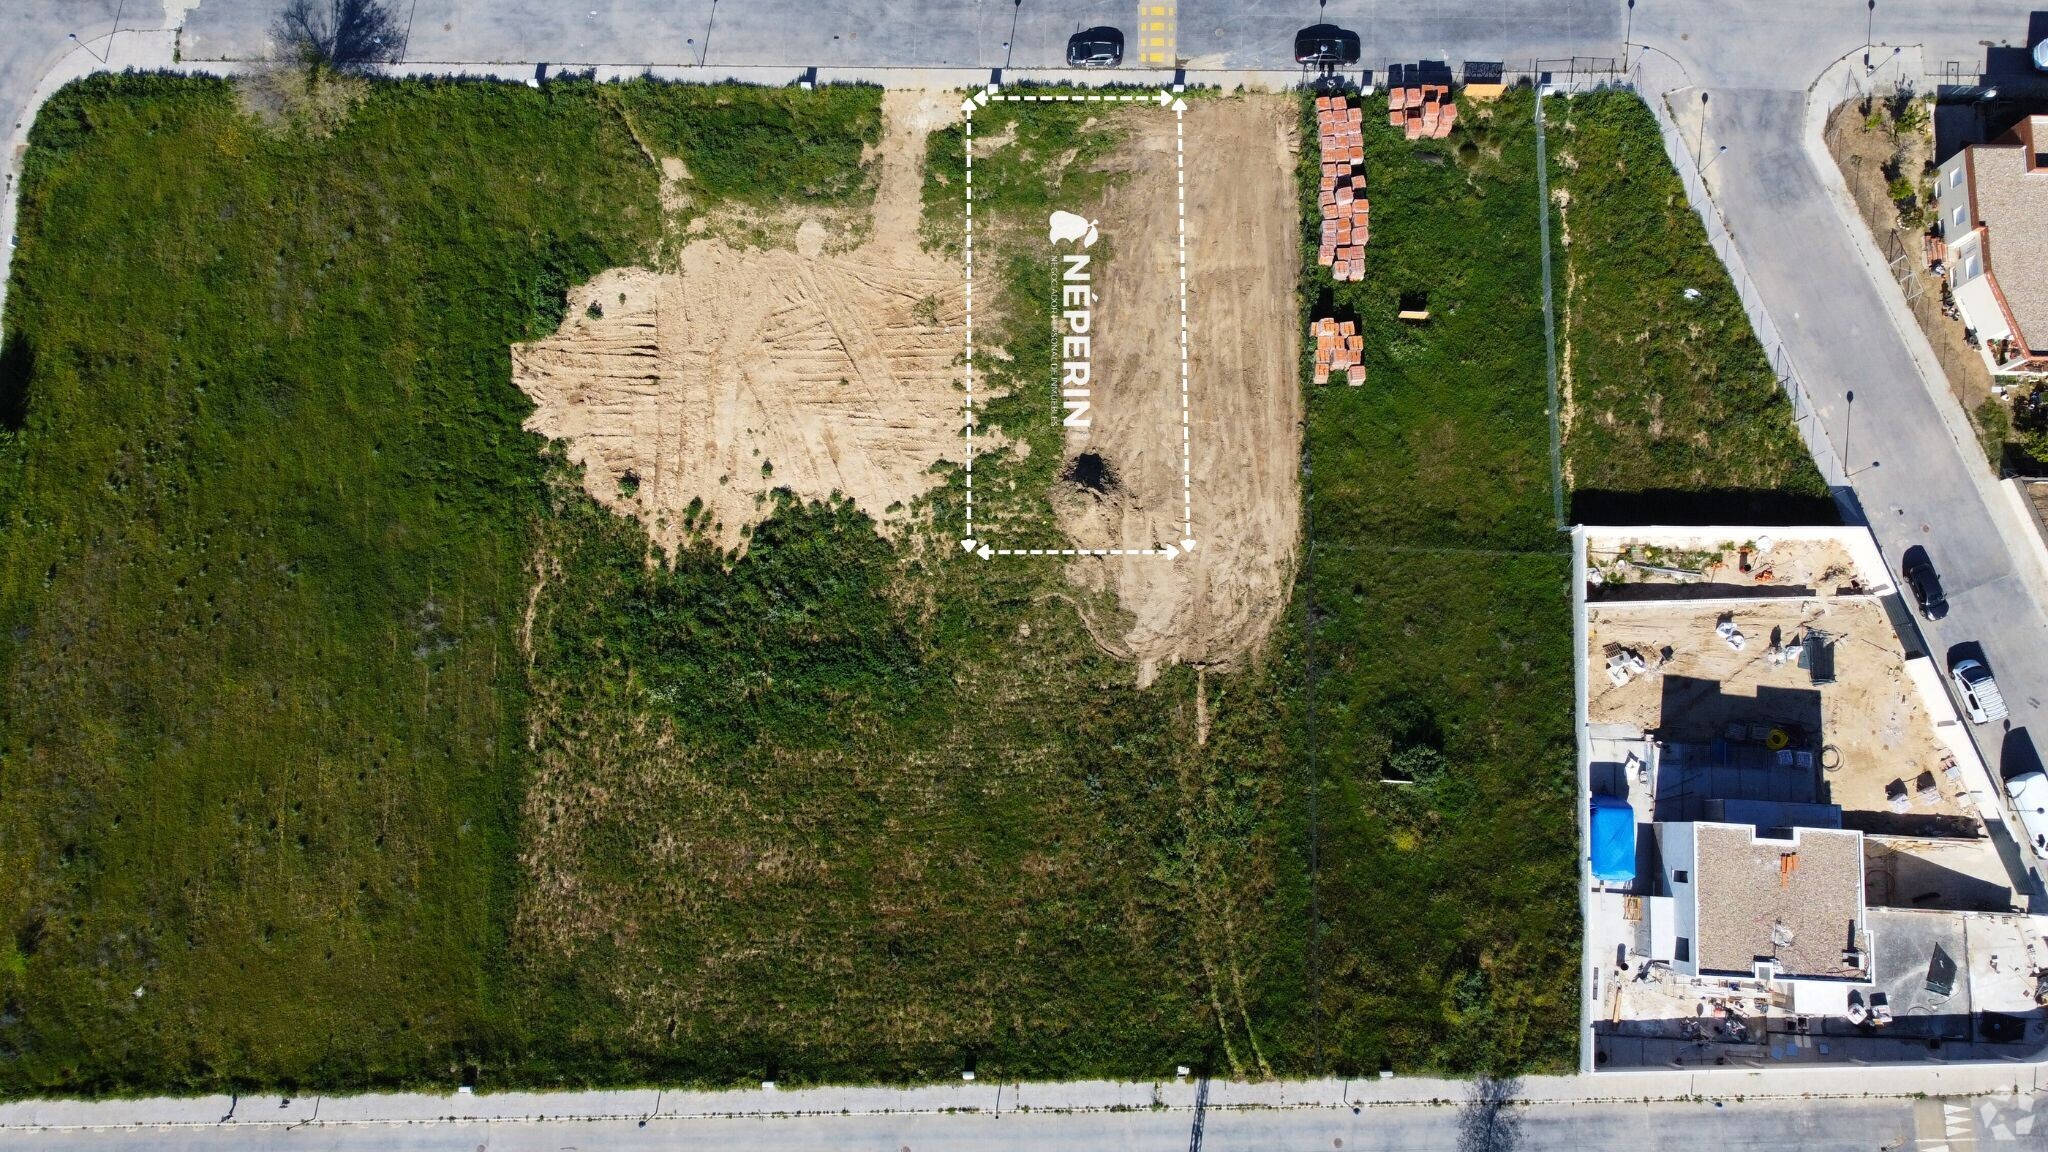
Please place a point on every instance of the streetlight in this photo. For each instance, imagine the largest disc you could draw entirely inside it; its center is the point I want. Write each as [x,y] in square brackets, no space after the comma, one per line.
[87,47]
[1717,155]
[1848,426]
[1699,148]
[102,56]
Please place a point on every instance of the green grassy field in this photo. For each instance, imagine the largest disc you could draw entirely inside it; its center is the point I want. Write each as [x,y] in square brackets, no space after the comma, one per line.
[1440,642]
[1672,406]
[339,725]
[883,812]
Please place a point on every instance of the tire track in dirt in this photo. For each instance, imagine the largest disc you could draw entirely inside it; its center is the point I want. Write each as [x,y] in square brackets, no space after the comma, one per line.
[1215,606]
[744,371]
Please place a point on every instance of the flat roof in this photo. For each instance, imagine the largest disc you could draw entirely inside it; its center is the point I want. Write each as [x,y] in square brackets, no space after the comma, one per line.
[2013,205]
[1798,901]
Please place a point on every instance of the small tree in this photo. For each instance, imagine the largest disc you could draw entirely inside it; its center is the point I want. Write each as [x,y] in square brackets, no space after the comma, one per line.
[340,34]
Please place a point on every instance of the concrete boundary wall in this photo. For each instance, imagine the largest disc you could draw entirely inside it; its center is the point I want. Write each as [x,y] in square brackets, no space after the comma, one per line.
[1856,541]
[1954,734]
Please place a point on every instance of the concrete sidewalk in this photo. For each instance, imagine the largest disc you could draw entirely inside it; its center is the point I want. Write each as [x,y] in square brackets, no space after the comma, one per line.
[994,1099]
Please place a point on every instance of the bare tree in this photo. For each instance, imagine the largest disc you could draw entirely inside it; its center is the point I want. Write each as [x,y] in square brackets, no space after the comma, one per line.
[1489,1121]
[341,34]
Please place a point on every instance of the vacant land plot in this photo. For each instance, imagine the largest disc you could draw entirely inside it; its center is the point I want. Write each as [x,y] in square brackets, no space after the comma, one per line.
[1672,413]
[1437,642]
[1215,606]
[899,793]
[268,528]
[346,740]
[688,396]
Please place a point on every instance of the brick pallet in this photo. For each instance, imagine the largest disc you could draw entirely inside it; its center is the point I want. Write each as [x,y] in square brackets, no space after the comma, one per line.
[1339,348]
[1346,213]
[1427,110]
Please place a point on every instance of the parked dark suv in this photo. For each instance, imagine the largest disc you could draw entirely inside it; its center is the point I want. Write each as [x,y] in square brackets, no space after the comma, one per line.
[1096,48]
[1926,586]
[1325,44]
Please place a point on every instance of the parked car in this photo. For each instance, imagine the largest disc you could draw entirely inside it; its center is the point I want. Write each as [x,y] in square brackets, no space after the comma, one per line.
[1095,48]
[1926,586]
[1325,44]
[1981,698]
[2029,794]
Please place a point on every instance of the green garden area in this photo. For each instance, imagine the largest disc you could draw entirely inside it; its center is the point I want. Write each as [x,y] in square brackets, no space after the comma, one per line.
[345,743]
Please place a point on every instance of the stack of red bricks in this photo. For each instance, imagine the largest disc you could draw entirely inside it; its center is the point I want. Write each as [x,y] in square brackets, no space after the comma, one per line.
[1339,348]
[1427,110]
[1347,215]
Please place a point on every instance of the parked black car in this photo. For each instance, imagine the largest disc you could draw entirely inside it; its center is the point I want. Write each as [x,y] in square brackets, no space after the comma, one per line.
[1096,48]
[1926,586]
[1325,44]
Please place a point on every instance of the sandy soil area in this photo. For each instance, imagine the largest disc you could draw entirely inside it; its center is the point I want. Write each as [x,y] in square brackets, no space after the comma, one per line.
[1215,605]
[748,370]
[1861,152]
[1871,713]
[1821,564]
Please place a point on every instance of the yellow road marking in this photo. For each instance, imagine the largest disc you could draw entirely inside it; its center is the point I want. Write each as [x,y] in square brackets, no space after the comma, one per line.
[1158,49]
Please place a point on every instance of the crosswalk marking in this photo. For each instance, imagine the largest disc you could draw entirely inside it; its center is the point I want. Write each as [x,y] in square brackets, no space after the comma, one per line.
[1157,44]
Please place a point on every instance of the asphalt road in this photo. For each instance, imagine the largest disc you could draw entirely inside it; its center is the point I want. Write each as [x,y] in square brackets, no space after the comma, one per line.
[1912,477]
[1819,1126]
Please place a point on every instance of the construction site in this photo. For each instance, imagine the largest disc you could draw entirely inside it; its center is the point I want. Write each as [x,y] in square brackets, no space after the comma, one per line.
[1794,851]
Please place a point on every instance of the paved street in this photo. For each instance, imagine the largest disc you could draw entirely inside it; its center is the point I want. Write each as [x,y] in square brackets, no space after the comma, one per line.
[1813,1127]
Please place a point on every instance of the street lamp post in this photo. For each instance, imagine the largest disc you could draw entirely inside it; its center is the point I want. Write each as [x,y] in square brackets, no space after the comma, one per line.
[1848,426]
[119,9]
[87,47]
[1699,148]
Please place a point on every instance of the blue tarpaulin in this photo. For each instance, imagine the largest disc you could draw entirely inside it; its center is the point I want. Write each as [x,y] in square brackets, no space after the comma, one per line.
[1614,839]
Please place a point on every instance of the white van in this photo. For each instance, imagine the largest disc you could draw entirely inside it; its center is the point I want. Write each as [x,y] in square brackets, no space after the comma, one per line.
[2029,794]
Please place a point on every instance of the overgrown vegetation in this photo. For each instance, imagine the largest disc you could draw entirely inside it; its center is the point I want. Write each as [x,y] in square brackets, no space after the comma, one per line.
[906,801]
[343,741]
[269,524]
[1671,405]
[759,146]
[1438,638]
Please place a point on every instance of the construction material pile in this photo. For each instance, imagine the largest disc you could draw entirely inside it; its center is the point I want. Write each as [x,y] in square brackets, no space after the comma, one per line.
[1339,348]
[1427,110]
[1347,215]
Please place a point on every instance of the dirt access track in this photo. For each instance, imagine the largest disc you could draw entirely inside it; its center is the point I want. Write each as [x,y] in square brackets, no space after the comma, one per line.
[747,370]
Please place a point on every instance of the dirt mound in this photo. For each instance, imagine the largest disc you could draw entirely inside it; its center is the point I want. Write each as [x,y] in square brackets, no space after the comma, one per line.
[747,370]
[1217,604]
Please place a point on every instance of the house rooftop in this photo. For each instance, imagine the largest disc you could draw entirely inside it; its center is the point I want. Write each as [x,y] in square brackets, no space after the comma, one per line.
[1796,901]
[2012,203]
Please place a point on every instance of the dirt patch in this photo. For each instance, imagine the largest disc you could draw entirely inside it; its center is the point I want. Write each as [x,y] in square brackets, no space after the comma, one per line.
[1883,738]
[1863,152]
[1821,564]
[688,396]
[1215,605]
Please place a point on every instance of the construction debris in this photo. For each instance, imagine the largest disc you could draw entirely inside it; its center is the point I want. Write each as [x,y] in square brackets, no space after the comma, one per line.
[1339,348]
[1347,214]
[1425,110]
